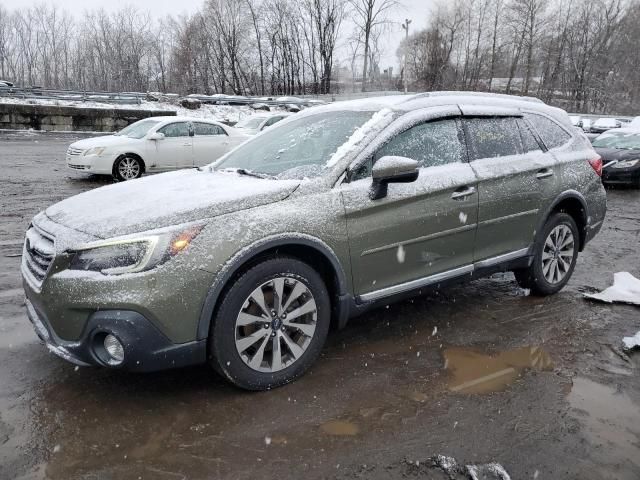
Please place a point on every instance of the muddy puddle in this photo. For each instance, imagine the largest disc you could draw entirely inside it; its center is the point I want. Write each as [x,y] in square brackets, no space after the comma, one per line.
[610,418]
[475,372]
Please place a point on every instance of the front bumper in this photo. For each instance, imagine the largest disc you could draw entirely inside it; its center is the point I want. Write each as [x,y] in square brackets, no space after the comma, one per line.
[95,164]
[146,349]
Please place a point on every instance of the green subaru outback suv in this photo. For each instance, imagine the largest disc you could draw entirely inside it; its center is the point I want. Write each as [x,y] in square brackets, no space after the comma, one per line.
[246,263]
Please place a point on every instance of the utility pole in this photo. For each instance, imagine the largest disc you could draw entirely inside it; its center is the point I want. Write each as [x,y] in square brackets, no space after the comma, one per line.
[405,27]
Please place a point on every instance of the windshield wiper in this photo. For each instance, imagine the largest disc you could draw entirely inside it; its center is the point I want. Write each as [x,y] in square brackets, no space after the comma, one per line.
[249,173]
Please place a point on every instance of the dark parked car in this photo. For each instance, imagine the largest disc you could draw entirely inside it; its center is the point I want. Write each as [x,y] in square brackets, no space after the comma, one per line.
[620,152]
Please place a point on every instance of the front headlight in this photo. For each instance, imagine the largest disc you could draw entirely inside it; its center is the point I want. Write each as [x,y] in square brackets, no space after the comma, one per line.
[94,151]
[626,163]
[132,255]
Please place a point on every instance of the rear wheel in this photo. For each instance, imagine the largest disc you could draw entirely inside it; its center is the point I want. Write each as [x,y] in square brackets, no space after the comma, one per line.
[127,167]
[555,256]
[271,324]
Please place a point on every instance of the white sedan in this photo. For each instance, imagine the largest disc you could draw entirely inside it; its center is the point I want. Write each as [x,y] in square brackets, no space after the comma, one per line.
[256,123]
[155,144]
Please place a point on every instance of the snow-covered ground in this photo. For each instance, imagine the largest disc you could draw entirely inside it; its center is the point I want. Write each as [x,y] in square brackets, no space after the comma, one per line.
[222,113]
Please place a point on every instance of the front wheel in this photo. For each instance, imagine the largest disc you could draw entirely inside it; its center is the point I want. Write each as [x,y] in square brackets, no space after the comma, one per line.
[555,256]
[271,324]
[127,167]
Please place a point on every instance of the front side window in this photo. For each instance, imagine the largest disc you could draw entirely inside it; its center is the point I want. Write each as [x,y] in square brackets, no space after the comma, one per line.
[271,121]
[207,129]
[178,129]
[552,134]
[301,149]
[491,137]
[431,144]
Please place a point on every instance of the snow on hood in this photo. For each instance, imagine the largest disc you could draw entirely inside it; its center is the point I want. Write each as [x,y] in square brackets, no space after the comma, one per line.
[163,200]
[102,141]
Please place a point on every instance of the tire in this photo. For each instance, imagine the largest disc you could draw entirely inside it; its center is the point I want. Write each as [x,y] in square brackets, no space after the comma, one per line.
[127,167]
[249,348]
[550,271]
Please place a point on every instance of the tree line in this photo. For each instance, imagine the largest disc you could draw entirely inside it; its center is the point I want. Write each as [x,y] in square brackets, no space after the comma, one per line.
[261,47]
[581,55]
[578,54]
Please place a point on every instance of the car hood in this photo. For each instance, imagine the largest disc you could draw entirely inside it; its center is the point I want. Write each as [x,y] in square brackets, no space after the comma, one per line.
[102,141]
[611,154]
[163,200]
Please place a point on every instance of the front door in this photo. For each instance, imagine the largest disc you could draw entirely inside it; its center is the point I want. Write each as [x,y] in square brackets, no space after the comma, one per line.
[419,229]
[175,150]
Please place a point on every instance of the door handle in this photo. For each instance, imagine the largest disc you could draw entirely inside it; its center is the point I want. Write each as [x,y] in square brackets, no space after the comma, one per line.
[544,173]
[186,144]
[463,193]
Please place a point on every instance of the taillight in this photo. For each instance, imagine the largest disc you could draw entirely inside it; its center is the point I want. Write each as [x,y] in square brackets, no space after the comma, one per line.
[596,164]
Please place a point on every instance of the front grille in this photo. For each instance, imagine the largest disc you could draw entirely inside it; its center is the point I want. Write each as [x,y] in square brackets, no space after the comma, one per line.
[74,152]
[77,167]
[38,255]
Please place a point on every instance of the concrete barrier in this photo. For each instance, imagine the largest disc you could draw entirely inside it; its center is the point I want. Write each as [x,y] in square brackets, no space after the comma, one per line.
[57,119]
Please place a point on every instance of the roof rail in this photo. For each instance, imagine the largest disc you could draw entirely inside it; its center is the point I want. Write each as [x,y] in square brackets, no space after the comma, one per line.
[472,94]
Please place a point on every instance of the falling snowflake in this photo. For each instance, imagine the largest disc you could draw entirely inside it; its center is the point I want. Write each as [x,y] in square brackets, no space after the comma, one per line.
[400,254]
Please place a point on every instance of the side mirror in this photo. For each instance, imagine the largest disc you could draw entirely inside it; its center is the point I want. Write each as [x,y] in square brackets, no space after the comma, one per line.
[391,170]
[156,136]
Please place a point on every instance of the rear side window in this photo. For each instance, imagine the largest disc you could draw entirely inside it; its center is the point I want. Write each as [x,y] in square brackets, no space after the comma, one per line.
[529,141]
[207,129]
[432,144]
[493,137]
[553,135]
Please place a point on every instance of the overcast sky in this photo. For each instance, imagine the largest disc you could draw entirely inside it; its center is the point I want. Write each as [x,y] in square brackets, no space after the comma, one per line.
[416,10]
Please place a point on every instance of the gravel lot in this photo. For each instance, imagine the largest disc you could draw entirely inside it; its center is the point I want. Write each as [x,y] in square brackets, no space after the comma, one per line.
[397,386]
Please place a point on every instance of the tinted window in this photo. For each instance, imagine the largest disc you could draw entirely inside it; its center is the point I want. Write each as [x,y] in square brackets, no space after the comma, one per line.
[180,129]
[208,129]
[529,142]
[493,137]
[552,134]
[431,144]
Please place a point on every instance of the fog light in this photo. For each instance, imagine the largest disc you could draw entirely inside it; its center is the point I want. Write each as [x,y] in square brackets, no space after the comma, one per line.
[114,348]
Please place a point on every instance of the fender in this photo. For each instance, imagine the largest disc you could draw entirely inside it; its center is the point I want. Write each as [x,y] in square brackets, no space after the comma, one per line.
[573,195]
[251,251]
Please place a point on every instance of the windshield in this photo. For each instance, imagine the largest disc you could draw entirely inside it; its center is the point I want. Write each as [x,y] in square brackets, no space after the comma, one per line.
[298,149]
[625,141]
[251,122]
[138,129]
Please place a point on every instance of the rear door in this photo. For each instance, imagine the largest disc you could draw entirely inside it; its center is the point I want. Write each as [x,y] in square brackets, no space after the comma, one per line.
[176,149]
[513,173]
[420,229]
[210,142]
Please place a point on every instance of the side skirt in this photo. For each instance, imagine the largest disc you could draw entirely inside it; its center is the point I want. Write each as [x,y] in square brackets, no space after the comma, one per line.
[502,263]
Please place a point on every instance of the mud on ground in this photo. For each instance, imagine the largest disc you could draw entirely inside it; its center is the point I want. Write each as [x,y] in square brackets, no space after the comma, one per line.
[482,373]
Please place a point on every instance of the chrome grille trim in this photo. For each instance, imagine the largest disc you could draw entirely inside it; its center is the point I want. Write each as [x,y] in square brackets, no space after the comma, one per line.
[38,255]
[74,152]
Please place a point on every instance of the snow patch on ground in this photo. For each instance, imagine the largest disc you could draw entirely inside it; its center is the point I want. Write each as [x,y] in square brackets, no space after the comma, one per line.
[625,289]
[631,342]
[451,467]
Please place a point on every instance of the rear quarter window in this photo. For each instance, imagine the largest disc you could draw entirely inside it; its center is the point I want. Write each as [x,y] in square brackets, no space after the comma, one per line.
[552,134]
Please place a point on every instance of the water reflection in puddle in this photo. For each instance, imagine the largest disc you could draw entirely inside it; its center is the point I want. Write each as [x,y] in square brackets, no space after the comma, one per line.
[339,428]
[475,372]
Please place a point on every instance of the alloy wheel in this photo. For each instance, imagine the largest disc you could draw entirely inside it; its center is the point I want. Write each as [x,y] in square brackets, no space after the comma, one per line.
[557,254]
[276,324]
[129,168]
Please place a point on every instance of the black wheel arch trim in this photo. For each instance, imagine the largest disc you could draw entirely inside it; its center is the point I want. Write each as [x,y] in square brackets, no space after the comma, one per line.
[246,254]
[568,195]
